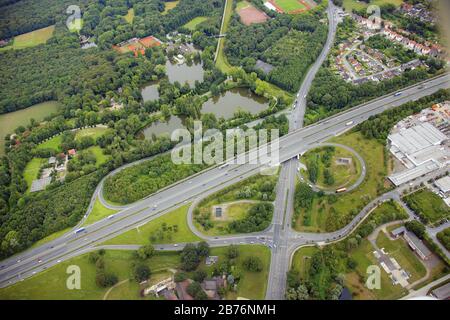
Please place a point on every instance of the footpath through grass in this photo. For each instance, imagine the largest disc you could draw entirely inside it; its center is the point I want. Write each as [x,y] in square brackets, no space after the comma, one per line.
[221,61]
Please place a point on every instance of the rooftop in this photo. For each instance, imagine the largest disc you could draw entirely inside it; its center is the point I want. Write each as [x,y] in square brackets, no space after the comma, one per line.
[443,292]
[443,184]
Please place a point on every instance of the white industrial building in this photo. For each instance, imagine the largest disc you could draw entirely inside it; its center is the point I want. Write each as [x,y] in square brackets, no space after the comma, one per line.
[420,148]
[444,185]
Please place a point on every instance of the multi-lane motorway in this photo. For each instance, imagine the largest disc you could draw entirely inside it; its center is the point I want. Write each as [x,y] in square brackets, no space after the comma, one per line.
[34,260]
[279,237]
[284,206]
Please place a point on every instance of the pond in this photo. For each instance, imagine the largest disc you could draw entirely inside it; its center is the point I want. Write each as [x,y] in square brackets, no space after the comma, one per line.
[10,121]
[159,128]
[184,72]
[222,106]
[150,92]
[229,102]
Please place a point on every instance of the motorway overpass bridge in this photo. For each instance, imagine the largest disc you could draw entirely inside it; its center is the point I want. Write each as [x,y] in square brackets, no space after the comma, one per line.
[26,264]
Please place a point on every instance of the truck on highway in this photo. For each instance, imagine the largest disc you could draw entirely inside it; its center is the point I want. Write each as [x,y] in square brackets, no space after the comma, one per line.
[80,230]
[223,166]
[349,123]
[340,190]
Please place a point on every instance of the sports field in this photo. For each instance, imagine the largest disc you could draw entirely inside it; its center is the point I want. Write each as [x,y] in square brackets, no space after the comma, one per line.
[291,6]
[249,14]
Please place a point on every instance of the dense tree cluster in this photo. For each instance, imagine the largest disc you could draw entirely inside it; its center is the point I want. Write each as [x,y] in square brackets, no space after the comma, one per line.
[379,126]
[289,42]
[192,254]
[258,218]
[444,238]
[17,17]
[40,214]
[136,182]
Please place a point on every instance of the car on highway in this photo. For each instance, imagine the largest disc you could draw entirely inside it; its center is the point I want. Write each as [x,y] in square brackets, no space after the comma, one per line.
[398,94]
[80,230]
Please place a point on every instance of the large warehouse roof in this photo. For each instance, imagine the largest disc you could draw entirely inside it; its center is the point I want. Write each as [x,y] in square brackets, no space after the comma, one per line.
[417,138]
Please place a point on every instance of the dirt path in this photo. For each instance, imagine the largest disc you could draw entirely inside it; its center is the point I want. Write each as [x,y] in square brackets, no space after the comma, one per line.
[105,297]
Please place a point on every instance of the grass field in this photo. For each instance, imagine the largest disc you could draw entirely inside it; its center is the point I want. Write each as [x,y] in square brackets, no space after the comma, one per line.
[195,22]
[32,169]
[221,61]
[169,6]
[290,5]
[53,143]
[242,4]
[10,121]
[33,38]
[51,284]
[332,212]
[300,260]
[358,5]
[400,251]
[253,285]
[91,132]
[236,211]
[100,157]
[343,175]
[129,16]
[142,234]
[428,205]
[98,213]
[355,280]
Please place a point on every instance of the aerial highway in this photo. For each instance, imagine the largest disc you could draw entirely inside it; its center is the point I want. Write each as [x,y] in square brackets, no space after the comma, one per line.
[284,209]
[37,259]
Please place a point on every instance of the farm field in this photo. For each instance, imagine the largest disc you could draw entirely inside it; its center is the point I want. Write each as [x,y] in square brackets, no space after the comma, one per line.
[10,121]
